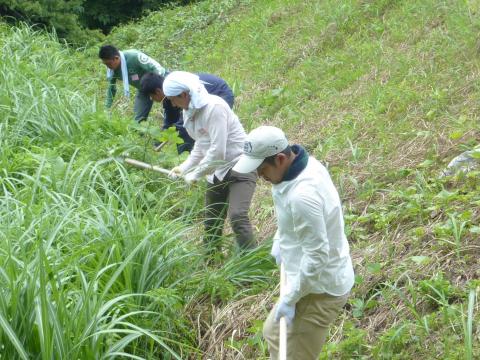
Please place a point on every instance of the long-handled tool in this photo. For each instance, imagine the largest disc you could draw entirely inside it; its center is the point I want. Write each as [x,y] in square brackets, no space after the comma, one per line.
[283,321]
[144,165]
[159,147]
[137,163]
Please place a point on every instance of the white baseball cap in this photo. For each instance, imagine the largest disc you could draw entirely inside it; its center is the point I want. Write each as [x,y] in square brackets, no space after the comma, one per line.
[261,143]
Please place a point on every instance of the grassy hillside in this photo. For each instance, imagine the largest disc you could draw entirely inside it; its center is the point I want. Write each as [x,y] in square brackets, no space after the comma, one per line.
[105,261]
[386,93]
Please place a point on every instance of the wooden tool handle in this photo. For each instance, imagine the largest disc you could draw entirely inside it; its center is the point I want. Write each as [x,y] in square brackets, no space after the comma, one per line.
[144,165]
[283,321]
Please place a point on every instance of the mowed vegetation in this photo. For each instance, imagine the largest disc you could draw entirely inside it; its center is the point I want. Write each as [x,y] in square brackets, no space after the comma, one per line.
[102,261]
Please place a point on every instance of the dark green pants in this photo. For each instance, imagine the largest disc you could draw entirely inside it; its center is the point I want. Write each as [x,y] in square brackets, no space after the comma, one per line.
[142,106]
[233,195]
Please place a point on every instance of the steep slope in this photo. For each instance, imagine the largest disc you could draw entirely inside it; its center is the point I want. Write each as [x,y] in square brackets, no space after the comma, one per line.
[97,259]
[386,93]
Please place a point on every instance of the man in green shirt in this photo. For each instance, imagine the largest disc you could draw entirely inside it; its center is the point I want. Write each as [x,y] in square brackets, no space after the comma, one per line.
[129,66]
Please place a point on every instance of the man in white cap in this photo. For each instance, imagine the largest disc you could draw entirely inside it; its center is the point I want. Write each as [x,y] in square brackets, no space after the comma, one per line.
[310,241]
[219,137]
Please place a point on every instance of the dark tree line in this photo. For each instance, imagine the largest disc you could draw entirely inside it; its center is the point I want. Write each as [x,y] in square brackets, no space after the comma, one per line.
[78,21]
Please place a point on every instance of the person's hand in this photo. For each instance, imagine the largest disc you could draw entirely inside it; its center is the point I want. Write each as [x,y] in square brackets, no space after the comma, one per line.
[275,252]
[175,173]
[285,310]
[191,178]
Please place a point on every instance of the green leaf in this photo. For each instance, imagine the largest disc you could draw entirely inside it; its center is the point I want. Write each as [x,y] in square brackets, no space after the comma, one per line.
[425,163]
[359,280]
[7,329]
[475,229]
[374,268]
[277,92]
[475,154]
[456,135]
[420,260]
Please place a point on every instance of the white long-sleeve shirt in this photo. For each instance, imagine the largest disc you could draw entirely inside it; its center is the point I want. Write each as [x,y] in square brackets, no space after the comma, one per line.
[313,245]
[219,138]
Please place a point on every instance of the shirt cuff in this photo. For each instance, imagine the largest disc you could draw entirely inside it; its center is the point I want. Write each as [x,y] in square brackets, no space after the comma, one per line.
[185,166]
[291,298]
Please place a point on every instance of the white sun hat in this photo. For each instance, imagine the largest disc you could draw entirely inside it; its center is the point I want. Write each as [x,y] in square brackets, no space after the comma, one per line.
[261,143]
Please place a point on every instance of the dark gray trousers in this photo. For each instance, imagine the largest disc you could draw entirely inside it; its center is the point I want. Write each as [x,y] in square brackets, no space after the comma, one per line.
[142,106]
[233,194]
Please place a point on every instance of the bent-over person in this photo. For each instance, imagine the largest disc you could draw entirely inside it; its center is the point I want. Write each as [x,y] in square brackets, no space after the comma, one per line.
[152,84]
[219,137]
[129,66]
[310,241]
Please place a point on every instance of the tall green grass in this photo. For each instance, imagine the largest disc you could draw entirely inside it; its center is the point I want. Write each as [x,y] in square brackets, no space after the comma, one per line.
[77,270]
[96,261]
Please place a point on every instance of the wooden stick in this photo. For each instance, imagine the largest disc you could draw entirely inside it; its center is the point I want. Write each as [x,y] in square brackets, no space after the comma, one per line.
[160,146]
[283,321]
[144,165]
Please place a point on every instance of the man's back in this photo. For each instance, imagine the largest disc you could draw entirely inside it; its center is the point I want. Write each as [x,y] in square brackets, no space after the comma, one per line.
[217,86]
[138,64]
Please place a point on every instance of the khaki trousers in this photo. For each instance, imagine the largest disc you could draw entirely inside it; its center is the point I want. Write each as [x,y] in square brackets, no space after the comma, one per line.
[306,335]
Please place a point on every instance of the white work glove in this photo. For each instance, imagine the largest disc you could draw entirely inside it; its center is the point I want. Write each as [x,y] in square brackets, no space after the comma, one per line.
[175,173]
[284,310]
[191,178]
[275,252]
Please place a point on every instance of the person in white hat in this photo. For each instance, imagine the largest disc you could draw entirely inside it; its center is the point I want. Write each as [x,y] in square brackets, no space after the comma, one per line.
[310,241]
[219,137]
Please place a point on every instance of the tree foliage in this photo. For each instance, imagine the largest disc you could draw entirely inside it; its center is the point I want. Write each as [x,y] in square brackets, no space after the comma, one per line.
[79,21]
[104,15]
[61,15]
